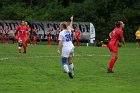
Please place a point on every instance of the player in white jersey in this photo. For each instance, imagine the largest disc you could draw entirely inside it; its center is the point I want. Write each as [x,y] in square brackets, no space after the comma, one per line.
[65,42]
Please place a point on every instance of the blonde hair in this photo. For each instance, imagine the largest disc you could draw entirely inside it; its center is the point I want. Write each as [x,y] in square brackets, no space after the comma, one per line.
[63,25]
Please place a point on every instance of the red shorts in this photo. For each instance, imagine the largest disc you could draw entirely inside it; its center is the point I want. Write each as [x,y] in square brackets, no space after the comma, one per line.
[112,47]
[22,37]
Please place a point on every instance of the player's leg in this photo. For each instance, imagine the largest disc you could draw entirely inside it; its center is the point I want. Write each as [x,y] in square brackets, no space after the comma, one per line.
[79,42]
[20,44]
[76,42]
[137,43]
[65,55]
[36,39]
[64,64]
[64,61]
[1,38]
[114,57]
[24,47]
[8,41]
[71,65]
[24,43]
[4,41]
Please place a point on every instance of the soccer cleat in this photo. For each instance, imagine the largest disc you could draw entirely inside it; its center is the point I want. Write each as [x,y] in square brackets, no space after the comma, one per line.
[109,71]
[70,75]
[24,52]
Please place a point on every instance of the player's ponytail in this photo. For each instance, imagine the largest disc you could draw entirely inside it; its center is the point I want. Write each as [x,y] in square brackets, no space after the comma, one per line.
[118,24]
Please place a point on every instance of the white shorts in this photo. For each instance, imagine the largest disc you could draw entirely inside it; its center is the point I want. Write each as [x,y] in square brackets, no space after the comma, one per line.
[67,53]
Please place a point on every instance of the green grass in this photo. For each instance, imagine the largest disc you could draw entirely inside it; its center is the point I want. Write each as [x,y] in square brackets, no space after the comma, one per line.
[40,71]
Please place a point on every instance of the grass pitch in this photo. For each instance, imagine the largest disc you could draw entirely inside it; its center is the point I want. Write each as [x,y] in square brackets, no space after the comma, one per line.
[40,71]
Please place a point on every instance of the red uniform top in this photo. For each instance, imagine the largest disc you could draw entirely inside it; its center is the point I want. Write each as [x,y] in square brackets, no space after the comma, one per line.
[116,36]
[22,30]
[78,34]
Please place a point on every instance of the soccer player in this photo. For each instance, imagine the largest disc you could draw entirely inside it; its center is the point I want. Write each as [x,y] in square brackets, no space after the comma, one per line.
[1,34]
[49,37]
[15,35]
[22,30]
[34,42]
[137,37]
[115,36]
[6,35]
[78,35]
[65,42]
[57,35]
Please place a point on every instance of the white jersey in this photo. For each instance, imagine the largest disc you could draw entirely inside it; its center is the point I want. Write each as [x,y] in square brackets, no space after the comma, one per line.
[65,36]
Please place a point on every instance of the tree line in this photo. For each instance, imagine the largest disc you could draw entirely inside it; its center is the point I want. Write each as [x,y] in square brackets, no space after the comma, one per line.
[102,13]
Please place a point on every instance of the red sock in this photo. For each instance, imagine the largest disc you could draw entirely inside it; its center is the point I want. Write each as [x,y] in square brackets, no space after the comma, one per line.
[26,43]
[77,43]
[111,65]
[49,42]
[24,46]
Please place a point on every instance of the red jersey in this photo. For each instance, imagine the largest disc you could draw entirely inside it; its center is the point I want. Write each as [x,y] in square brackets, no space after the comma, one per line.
[116,36]
[78,34]
[22,30]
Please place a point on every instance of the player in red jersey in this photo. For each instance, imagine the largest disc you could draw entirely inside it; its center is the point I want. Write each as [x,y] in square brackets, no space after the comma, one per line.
[49,37]
[35,36]
[15,35]
[115,36]
[57,35]
[1,34]
[78,35]
[6,34]
[22,36]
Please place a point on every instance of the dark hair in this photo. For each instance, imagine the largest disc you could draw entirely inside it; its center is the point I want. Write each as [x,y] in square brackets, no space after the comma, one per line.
[117,24]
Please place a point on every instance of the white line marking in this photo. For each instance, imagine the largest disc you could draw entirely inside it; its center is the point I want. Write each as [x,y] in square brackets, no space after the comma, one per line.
[78,55]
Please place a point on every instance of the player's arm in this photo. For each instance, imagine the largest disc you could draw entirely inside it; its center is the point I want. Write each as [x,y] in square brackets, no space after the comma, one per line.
[60,38]
[71,23]
[16,29]
[110,35]
[122,38]
[59,46]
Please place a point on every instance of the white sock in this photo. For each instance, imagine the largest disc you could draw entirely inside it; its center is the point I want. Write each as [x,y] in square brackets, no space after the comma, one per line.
[71,66]
[66,68]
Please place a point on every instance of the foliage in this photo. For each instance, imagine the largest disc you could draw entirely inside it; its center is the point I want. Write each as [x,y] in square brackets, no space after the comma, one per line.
[101,13]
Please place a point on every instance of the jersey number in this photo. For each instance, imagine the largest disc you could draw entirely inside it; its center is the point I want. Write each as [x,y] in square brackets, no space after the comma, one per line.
[68,37]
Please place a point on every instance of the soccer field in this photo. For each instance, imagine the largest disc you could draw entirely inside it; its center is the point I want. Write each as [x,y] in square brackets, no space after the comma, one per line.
[40,71]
